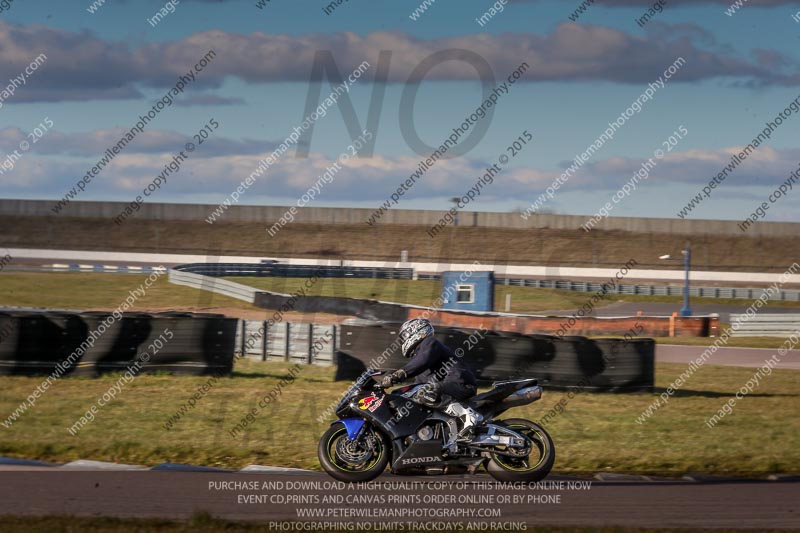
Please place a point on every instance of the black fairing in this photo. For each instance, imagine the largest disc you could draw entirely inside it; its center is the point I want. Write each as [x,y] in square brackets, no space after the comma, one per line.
[404,425]
[488,401]
[395,423]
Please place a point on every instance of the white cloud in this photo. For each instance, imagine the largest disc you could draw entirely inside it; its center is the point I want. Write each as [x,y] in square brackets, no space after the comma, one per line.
[81,66]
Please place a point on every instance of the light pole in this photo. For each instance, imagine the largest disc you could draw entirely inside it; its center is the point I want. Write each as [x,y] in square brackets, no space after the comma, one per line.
[455,201]
[687,262]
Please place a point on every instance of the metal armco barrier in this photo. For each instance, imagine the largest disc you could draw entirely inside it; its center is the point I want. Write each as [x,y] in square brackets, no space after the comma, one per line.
[749,293]
[208,283]
[766,325]
[35,343]
[295,271]
[654,290]
[598,365]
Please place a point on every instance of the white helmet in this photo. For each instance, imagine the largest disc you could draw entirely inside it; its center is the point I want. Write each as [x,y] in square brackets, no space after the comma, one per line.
[412,332]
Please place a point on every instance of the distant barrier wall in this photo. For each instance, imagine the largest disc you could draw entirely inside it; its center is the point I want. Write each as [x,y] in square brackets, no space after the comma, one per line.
[331,215]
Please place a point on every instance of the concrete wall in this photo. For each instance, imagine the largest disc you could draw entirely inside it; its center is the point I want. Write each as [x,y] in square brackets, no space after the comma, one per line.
[332,215]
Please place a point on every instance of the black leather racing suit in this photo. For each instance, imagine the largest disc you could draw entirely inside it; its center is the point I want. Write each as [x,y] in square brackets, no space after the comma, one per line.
[439,366]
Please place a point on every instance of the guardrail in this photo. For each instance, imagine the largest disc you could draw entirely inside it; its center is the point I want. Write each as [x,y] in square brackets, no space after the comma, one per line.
[656,290]
[766,325]
[295,271]
[748,293]
[219,286]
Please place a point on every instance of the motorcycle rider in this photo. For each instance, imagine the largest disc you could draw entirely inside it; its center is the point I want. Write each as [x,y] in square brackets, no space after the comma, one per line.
[447,379]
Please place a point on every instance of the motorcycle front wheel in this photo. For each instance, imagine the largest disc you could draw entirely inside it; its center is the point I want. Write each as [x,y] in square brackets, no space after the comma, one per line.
[528,468]
[352,460]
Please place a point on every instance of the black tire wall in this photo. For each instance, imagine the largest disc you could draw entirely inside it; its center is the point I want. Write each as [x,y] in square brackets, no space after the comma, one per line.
[591,364]
[180,343]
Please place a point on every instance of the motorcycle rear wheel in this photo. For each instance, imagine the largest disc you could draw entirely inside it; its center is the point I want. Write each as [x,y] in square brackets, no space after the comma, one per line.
[339,467]
[531,468]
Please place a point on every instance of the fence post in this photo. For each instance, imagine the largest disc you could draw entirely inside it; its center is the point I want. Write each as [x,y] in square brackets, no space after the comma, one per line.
[335,340]
[244,337]
[310,359]
[264,343]
[288,343]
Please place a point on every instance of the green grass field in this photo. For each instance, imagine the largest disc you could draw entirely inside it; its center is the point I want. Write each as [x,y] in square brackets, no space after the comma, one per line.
[596,432]
[75,290]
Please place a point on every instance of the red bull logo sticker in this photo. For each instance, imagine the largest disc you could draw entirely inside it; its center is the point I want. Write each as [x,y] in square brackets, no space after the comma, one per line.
[370,402]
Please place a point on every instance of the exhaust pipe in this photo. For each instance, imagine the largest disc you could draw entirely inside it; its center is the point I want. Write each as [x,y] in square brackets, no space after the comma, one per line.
[522,397]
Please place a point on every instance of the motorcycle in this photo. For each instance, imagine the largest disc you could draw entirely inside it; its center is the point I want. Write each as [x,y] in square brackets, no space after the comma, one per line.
[377,428]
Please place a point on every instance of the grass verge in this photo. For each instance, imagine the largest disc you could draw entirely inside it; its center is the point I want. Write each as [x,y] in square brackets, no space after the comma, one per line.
[75,290]
[595,432]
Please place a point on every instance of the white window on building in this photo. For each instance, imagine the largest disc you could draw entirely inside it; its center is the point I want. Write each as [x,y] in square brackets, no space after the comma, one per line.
[465,294]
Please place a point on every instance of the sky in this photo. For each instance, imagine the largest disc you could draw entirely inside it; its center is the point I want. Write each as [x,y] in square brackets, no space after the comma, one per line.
[428,70]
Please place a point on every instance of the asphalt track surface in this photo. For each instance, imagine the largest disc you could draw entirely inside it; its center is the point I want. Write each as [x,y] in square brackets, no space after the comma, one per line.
[428,500]
[698,307]
[727,356]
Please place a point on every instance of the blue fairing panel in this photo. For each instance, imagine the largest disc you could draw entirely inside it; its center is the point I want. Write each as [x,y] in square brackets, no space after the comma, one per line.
[352,425]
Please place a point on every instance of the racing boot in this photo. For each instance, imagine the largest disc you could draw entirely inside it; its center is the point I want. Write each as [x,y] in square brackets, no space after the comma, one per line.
[469,417]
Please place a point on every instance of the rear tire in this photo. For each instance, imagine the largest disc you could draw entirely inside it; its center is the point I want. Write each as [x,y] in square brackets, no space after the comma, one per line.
[531,468]
[339,468]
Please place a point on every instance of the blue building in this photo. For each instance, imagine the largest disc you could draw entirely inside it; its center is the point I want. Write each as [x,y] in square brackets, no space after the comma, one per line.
[468,291]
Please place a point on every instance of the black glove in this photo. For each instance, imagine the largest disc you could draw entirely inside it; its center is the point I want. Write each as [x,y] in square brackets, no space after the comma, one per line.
[395,377]
[428,395]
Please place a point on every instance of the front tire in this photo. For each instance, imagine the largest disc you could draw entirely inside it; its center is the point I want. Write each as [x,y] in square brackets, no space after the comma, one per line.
[530,468]
[350,461]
